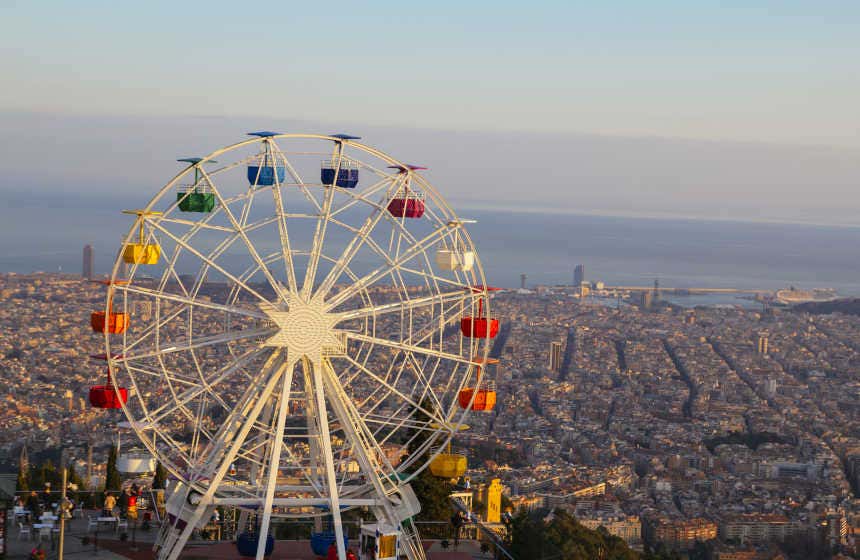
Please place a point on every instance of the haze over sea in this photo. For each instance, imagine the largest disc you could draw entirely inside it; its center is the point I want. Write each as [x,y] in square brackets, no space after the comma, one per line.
[616,250]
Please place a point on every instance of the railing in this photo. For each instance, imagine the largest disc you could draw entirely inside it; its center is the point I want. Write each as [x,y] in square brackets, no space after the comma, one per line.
[200,188]
[491,535]
[344,164]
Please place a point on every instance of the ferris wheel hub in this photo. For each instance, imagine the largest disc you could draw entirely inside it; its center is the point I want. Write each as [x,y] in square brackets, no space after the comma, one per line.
[304,328]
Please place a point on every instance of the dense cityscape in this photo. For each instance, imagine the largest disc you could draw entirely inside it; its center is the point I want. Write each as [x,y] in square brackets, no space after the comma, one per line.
[667,426]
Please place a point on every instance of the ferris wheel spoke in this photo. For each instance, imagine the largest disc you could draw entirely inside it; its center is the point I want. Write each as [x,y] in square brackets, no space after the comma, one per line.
[209,261]
[298,179]
[244,403]
[364,445]
[217,465]
[392,389]
[189,395]
[187,300]
[199,342]
[277,443]
[190,223]
[406,305]
[165,374]
[283,233]
[324,437]
[152,329]
[351,250]
[383,271]
[241,232]
[363,196]
[319,240]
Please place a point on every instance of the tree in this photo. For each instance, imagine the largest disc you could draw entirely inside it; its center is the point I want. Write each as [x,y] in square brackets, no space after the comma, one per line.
[113,480]
[432,492]
[160,478]
[23,482]
[562,536]
[46,473]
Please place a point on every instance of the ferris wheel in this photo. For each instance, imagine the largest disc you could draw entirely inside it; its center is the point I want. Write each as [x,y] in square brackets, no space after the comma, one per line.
[297,325]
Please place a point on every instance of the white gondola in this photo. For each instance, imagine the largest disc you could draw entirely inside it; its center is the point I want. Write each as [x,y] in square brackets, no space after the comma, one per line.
[135,462]
[455,256]
[453,259]
[379,541]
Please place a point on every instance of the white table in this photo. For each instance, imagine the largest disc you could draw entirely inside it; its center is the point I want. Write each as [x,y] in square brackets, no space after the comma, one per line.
[42,529]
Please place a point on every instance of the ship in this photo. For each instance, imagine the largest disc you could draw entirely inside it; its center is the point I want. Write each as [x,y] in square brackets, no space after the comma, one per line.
[792,295]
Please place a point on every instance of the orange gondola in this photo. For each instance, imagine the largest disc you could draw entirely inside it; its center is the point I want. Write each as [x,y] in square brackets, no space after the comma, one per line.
[484,393]
[111,323]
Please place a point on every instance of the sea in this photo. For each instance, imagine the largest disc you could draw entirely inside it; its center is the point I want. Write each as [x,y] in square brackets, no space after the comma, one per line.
[39,232]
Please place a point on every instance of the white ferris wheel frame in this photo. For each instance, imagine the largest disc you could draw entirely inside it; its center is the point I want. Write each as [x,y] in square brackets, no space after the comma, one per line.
[459,292]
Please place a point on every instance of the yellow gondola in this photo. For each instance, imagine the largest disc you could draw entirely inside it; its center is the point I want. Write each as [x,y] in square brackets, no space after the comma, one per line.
[448,464]
[141,252]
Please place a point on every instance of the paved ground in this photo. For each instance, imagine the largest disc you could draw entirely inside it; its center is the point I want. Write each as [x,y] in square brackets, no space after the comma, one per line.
[108,547]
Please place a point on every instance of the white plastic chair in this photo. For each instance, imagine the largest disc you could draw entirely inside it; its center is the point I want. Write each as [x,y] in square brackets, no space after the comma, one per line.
[24,529]
[45,531]
[121,523]
[92,523]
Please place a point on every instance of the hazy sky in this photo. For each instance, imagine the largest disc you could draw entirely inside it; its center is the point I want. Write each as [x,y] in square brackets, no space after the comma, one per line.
[658,107]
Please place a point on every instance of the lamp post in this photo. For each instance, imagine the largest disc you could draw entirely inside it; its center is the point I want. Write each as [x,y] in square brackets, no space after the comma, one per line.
[64,507]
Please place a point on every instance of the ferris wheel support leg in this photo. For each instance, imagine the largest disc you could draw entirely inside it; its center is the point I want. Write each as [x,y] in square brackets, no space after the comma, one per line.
[254,475]
[325,444]
[366,451]
[313,432]
[224,466]
[277,444]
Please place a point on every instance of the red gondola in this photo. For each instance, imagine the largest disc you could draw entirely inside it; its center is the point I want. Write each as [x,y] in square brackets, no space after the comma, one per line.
[407,202]
[106,396]
[408,205]
[480,326]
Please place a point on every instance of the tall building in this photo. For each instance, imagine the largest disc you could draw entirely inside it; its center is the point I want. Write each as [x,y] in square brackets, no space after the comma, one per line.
[23,460]
[89,262]
[523,281]
[646,300]
[555,356]
[762,346]
[578,275]
[491,499]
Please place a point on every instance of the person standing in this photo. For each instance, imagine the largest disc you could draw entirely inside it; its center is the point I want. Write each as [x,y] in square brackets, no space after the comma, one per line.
[110,504]
[123,503]
[133,493]
[34,505]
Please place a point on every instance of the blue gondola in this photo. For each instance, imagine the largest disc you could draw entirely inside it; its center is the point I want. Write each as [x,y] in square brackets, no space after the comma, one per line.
[264,170]
[347,175]
[247,543]
[321,541]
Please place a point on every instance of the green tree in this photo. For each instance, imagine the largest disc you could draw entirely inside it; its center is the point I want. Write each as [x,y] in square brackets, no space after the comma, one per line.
[432,492]
[160,478]
[560,535]
[23,482]
[45,473]
[113,480]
